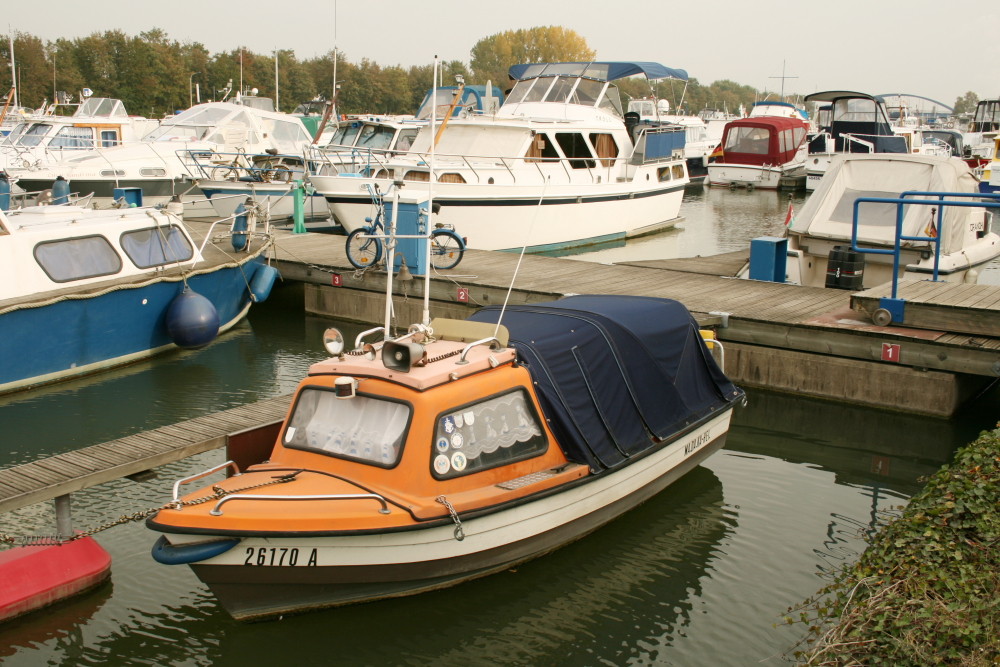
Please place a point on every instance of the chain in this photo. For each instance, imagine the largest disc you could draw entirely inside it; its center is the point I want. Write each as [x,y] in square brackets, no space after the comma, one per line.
[459,533]
[217,493]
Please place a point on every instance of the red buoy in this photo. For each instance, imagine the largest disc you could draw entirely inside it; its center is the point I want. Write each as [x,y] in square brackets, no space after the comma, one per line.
[36,577]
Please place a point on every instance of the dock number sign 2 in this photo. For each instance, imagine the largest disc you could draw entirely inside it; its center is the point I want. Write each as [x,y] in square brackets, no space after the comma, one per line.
[890,352]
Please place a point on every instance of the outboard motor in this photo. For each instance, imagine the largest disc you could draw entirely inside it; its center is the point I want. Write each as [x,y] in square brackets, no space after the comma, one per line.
[631,121]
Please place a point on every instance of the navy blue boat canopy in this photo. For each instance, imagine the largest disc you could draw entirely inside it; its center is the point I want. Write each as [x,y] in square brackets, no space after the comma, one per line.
[602,71]
[615,375]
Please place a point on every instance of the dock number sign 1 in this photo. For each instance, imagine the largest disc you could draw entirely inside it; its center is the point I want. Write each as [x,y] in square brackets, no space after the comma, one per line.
[890,352]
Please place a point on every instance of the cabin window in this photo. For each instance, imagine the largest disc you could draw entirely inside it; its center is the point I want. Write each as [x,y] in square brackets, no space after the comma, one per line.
[607,149]
[663,174]
[451,177]
[678,170]
[747,140]
[109,138]
[416,175]
[575,147]
[78,258]
[541,148]
[487,434]
[112,172]
[405,140]
[73,138]
[156,246]
[363,428]
[153,172]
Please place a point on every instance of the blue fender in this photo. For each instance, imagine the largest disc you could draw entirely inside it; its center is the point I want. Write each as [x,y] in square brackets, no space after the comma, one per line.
[169,554]
[262,282]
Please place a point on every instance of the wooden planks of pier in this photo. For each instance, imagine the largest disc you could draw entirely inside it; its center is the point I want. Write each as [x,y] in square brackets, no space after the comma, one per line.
[63,474]
[953,307]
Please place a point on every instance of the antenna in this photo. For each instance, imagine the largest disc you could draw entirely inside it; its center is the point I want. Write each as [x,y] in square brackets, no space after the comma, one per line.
[520,258]
[430,198]
[782,77]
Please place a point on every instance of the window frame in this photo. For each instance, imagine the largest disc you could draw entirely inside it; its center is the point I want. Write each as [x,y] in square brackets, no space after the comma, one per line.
[405,434]
[439,419]
[73,239]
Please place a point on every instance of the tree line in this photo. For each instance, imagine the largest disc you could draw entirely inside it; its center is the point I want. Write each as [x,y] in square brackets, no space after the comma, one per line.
[155,75]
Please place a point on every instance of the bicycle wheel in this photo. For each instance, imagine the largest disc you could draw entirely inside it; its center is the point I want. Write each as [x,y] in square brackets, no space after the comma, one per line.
[447,249]
[363,252]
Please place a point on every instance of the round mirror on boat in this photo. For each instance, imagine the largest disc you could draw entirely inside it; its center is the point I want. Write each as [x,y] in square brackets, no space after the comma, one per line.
[333,341]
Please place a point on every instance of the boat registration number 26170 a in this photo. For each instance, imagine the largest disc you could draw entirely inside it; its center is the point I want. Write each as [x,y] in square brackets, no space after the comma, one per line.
[280,556]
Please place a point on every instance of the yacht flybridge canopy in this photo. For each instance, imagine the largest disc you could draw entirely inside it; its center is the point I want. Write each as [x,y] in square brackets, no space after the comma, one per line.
[102,106]
[831,95]
[601,71]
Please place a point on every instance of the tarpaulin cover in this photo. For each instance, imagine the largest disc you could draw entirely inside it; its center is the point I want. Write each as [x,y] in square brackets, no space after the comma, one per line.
[615,372]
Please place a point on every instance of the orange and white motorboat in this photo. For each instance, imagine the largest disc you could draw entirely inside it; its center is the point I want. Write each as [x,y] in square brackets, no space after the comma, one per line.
[454,451]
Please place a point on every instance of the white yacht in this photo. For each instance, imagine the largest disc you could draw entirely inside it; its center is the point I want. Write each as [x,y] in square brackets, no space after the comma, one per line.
[558,165]
[40,139]
[153,171]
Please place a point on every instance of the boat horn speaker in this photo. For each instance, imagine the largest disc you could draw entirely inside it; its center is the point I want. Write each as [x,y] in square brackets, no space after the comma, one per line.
[403,356]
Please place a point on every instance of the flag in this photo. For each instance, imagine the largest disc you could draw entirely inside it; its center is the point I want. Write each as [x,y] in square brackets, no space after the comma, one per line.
[931,229]
[790,215]
[716,154]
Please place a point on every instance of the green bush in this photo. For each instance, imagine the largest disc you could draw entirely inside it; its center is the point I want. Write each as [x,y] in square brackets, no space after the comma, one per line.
[927,589]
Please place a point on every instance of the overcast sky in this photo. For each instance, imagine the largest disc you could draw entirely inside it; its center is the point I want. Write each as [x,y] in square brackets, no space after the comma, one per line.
[937,49]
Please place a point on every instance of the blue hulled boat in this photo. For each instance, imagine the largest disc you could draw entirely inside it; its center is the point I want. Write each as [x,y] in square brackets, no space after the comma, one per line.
[83,290]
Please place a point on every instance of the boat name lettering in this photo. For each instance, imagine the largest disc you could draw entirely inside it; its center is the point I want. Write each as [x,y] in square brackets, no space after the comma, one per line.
[279,556]
[697,442]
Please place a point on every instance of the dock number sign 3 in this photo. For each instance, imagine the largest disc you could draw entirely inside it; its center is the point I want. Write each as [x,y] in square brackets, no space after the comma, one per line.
[890,352]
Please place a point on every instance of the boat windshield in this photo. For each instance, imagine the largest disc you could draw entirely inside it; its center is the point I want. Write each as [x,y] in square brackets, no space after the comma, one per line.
[567,90]
[377,137]
[34,135]
[857,110]
[345,135]
[190,125]
[483,435]
[754,140]
[364,428]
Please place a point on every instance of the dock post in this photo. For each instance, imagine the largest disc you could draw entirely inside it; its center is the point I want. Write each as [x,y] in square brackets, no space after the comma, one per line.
[64,522]
[299,205]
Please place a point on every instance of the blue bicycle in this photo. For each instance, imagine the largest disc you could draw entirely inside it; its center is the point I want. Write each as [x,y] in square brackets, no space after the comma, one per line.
[364,248]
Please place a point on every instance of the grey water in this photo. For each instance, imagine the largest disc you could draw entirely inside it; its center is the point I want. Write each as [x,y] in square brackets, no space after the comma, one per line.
[700,575]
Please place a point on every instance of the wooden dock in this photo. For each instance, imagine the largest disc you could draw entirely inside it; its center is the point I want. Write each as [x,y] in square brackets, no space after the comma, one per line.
[805,340]
[58,476]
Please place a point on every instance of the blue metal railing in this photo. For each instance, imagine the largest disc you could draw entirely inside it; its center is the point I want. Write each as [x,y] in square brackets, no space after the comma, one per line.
[904,200]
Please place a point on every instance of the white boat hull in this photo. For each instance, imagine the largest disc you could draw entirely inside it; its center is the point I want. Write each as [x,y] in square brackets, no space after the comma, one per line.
[265,576]
[747,175]
[499,217]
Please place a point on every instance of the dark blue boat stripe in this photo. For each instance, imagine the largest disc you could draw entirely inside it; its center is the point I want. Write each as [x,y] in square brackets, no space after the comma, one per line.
[521,202]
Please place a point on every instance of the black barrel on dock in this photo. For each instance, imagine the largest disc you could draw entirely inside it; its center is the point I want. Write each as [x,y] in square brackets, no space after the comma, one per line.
[845,268]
